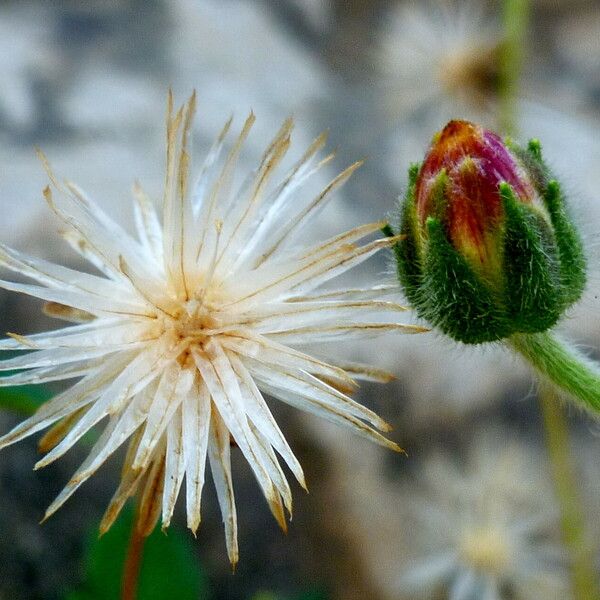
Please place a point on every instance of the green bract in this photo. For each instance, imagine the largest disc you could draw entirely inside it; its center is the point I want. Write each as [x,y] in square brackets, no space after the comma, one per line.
[489,249]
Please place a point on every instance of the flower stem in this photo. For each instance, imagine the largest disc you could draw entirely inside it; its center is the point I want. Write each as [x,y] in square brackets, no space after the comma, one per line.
[516,19]
[556,361]
[571,371]
[583,574]
[563,365]
[133,563]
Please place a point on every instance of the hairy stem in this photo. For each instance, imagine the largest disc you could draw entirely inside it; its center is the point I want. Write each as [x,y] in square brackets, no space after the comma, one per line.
[570,371]
[556,361]
[563,365]
[583,574]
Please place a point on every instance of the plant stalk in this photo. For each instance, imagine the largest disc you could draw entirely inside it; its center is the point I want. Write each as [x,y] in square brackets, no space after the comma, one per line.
[516,20]
[563,365]
[584,579]
[572,372]
[133,563]
[556,361]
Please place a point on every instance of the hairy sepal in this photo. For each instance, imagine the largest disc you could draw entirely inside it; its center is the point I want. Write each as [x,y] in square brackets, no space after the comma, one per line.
[454,298]
[532,289]
[406,251]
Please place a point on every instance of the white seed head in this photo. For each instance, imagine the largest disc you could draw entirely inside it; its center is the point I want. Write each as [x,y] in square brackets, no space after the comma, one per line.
[190,322]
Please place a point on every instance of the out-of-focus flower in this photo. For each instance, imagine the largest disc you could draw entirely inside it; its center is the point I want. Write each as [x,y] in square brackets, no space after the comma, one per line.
[441,56]
[489,530]
[187,325]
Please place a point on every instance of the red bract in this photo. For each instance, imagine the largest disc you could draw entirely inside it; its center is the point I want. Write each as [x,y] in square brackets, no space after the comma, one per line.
[475,161]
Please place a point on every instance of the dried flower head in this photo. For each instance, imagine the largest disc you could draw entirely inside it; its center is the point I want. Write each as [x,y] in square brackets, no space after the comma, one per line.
[188,325]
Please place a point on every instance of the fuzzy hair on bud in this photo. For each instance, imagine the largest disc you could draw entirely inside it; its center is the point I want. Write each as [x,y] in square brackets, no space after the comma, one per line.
[487,248]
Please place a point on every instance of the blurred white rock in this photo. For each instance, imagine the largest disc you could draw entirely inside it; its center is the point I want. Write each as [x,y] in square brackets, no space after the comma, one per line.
[111,129]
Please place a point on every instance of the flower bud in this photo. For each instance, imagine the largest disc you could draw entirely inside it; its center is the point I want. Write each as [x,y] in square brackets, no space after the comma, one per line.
[488,248]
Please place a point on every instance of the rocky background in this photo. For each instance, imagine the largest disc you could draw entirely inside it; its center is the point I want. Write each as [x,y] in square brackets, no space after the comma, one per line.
[87,82]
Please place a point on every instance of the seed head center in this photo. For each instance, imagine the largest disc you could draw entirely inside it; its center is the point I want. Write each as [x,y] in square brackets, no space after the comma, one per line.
[486,549]
[194,322]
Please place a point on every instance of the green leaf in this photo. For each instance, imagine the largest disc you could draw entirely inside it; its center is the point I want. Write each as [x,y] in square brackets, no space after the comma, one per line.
[310,594]
[314,594]
[266,596]
[170,568]
[25,399]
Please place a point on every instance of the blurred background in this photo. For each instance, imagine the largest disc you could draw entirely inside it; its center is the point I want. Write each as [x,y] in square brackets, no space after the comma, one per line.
[477,509]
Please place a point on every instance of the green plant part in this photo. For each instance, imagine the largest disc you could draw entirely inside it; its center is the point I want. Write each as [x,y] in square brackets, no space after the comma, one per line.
[488,252]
